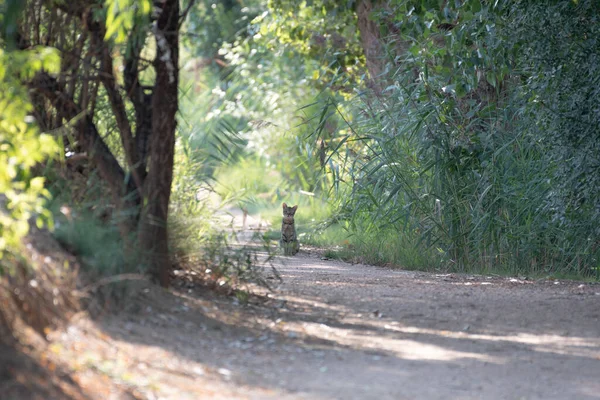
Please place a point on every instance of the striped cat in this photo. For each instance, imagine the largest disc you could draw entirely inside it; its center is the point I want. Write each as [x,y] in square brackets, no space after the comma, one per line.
[289,241]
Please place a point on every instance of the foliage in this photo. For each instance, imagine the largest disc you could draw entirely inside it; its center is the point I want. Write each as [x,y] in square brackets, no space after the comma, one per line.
[211,24]
[119,60]
[473,147]
[22,147]
[190,221]
[323,33]
[252,115]
[210,122]
[123,15]
[479,148]
[97,244]
[562,68]
[199,242]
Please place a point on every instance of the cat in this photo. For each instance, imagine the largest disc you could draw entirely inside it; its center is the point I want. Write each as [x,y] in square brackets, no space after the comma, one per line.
[289,240]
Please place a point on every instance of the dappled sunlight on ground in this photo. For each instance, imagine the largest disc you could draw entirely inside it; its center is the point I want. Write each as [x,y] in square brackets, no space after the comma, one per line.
[576,346]
[401,348]
[332,330]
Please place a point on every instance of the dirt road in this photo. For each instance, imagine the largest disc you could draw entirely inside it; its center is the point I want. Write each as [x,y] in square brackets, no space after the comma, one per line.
[333,330]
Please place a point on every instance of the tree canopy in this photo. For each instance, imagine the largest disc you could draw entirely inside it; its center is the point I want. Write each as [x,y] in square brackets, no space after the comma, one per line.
[463,129]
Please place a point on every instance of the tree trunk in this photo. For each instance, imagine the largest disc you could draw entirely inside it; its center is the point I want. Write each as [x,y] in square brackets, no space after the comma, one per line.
[370,37]
[153,228]
[378,55]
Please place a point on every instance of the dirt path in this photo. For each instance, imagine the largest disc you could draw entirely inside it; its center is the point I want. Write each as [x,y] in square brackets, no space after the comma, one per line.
[333,330]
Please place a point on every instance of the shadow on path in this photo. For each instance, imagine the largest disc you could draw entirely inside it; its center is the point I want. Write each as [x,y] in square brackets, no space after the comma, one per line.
[338,331]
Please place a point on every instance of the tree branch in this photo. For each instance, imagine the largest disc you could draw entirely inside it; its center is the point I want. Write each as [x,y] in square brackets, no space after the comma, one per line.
[87,134]
[142,102]
[185,12]
[116,101]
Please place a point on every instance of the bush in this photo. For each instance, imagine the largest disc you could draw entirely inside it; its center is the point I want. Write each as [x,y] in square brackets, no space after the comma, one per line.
[481,145]
[23,194]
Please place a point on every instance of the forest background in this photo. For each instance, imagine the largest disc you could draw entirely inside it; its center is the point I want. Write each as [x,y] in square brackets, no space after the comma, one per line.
[435,134]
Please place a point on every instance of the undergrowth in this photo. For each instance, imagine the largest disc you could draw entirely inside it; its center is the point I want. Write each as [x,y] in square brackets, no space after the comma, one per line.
[477,164]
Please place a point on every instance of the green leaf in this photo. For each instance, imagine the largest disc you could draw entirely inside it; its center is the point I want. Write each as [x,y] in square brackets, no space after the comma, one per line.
[491,78]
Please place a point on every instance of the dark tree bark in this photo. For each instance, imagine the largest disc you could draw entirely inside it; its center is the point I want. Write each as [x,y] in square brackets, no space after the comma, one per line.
[378,55]
[370,37]
[118,107]
[142,101]
[143,181]
[90,141]
[153,230]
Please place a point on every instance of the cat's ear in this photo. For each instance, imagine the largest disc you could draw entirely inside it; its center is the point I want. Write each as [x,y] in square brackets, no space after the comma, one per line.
[295,207]
[284,205]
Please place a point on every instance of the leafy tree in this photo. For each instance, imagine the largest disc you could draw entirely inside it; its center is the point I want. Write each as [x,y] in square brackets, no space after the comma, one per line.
[22,147]
[97,41]
[261,78]
[479,139]
[477,136]
[210,24]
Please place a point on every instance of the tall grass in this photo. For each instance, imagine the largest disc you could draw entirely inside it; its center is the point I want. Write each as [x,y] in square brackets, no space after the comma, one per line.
[482,202]
[462,178]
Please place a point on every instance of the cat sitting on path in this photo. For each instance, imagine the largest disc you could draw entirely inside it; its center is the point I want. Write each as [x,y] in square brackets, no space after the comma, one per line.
[289,240]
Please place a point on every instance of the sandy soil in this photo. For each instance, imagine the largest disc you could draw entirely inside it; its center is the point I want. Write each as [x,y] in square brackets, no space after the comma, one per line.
[333,330]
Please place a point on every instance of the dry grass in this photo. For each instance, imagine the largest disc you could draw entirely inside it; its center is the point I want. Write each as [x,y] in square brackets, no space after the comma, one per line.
[38,296]
[41,290]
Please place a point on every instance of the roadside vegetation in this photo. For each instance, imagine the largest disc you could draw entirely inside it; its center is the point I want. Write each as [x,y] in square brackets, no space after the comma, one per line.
[469,147]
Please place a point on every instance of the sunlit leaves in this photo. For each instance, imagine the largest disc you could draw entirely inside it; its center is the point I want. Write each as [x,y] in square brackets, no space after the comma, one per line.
[21,145]
[323,31]
[122,15]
